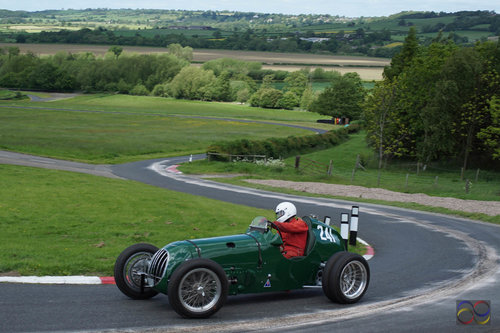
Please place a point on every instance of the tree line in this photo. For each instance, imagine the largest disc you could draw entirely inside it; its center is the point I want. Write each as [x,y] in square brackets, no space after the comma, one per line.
[438,102]
[172,75]
[360,42]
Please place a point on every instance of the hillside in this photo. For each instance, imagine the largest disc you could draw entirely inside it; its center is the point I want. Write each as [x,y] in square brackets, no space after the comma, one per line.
[372,36]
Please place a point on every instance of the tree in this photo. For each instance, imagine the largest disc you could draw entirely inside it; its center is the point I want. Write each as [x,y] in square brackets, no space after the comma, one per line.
[385,127]
[344,98]
[491,134]
[116,50]
[307,98]
[220,89]
[465,69]
[296,82]
[288,101]
[266,97]
[404,58]
[180,52]
[190,83]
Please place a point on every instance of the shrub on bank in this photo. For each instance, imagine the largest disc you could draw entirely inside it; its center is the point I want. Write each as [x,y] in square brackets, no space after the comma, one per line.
[281,147]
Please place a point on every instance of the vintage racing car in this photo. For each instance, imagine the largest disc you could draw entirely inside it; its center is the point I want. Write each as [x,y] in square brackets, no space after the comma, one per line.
[198,275]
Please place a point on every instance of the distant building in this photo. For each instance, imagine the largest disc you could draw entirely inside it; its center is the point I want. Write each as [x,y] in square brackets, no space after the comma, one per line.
[191,27]
[315,39]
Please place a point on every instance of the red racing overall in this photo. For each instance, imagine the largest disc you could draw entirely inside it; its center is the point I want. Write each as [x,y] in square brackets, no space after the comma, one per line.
[294,234]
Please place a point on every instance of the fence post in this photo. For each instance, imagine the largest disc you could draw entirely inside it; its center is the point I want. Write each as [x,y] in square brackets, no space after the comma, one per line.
[330,168]
[297,162]
[477,174]
[467,186]
[436,180]
[406,183]
[378,177]
[352,175]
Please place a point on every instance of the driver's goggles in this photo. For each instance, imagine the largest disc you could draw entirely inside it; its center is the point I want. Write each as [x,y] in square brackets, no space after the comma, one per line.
[280,213]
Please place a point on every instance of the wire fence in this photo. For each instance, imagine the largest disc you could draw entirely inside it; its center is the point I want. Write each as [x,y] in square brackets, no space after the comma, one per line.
[406,177]
[433,179]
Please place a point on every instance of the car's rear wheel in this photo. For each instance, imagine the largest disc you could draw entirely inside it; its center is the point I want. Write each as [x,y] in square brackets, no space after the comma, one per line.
[198,288]
[129,267]
[346,277]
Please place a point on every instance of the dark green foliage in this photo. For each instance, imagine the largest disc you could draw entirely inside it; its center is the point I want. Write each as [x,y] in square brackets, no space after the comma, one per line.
[344,98]
[281,147]
[437,103]
[70,72]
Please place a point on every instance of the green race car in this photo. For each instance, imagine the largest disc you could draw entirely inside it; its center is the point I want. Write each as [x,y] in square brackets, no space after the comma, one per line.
[198,275]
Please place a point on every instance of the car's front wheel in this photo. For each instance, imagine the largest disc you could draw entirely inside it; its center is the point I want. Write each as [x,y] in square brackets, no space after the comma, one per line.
[198,288]
[130,265]
[346,277]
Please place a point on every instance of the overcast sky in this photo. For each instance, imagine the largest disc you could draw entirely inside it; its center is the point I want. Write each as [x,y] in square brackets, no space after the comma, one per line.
[350,8]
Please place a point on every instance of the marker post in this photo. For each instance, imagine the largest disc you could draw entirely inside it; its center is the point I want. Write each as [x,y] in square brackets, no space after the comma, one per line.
[327,220]
[344,228]
[354,225]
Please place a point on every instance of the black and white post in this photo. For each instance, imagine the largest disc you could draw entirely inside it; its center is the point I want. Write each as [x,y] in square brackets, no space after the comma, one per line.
[344,228]
[327,220]
[353,235]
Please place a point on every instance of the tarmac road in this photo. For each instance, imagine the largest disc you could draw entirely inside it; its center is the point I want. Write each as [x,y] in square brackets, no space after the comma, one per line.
[423,264]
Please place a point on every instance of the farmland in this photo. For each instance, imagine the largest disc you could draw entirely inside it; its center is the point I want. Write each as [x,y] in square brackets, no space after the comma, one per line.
[368,68]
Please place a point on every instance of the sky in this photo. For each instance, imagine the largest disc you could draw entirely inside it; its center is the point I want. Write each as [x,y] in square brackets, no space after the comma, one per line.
[349,8]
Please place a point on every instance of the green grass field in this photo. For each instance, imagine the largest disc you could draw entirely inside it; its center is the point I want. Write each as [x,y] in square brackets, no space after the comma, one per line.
[127,128]
[63,223]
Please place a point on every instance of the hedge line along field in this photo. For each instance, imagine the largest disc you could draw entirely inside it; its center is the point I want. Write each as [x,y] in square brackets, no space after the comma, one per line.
[367,68]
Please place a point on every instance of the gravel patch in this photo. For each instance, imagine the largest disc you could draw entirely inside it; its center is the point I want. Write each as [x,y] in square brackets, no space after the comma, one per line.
[491,208]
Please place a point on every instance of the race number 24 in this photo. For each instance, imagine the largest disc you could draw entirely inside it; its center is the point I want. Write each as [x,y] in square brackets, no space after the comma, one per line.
[326,234]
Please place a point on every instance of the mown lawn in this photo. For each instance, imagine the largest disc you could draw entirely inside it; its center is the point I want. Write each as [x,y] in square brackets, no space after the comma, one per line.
[63,223]
[116,129]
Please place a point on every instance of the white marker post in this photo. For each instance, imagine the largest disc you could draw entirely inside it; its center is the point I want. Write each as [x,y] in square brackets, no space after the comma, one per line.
[327,220]
[354,225]
[344,227]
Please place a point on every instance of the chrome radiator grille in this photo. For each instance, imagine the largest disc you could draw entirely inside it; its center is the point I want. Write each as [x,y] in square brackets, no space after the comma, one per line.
[159,263]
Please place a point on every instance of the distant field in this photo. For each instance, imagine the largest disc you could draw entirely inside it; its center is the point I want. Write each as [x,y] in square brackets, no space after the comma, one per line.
[368,68]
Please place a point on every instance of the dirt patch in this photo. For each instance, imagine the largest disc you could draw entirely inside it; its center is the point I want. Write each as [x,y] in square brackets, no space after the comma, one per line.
[491,208]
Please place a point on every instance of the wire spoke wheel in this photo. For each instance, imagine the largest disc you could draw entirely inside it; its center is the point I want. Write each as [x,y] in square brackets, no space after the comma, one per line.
[345,277]
[353,279]
[198,288]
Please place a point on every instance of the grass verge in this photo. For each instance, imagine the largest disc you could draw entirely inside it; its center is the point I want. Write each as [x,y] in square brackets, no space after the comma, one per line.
[63,223]
[344,158]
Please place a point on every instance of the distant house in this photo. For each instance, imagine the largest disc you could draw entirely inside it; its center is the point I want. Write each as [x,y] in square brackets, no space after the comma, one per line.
[315,39]
[191,27]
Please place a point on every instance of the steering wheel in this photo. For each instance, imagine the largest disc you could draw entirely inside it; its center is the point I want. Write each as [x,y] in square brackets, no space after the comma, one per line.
[274,226]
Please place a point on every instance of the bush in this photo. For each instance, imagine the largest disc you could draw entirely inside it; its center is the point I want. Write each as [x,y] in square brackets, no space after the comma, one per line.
[139,90]
[282,147]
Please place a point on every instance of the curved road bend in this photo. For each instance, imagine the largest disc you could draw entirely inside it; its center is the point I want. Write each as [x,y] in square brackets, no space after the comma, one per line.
[423,264]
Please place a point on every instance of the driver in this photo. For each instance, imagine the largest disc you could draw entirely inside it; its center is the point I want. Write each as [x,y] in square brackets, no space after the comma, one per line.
[293,230]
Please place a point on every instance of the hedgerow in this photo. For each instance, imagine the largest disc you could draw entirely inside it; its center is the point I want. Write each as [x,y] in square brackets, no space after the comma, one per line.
[280,147]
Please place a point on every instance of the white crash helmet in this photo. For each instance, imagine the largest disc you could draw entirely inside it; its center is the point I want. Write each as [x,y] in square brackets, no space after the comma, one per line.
[284,211]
